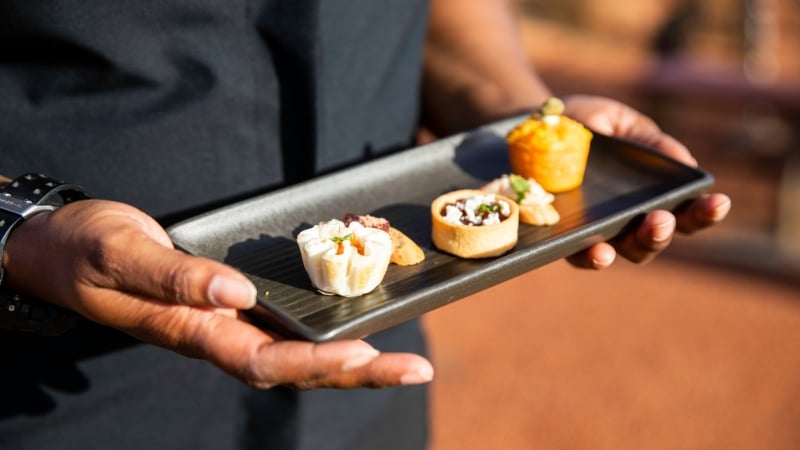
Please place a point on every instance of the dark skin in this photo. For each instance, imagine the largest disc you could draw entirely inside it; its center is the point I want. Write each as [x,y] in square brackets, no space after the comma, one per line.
[116,266]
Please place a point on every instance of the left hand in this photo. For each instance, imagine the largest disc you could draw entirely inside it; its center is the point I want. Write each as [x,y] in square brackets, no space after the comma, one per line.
[116,266]
[656,231]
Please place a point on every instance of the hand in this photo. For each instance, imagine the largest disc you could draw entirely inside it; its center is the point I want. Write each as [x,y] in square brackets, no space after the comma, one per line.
[656,231]
[114,265]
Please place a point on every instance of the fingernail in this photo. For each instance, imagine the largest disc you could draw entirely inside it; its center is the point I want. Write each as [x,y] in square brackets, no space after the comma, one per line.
[663,231]
[418,376]
[604,261]
[721,210]
[227,292]
[360,359]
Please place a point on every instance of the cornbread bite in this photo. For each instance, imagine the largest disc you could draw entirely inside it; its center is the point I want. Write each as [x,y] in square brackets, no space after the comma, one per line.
[551,148]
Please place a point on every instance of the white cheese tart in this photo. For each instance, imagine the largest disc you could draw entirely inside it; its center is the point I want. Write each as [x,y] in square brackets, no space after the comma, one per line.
[347,260]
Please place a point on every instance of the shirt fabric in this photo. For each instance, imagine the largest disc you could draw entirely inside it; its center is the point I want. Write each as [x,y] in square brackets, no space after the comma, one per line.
[175,107]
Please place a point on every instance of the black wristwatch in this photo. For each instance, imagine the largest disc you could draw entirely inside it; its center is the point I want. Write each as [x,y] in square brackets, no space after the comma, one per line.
[21,199]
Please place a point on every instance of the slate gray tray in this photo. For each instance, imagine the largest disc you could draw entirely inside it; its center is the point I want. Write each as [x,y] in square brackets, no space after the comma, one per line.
[623,181]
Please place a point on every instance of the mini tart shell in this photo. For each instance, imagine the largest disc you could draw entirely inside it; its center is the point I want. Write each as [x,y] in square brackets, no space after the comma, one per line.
[466,241]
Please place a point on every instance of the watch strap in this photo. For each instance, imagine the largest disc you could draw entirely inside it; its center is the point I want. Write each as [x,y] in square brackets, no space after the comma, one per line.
[19,313]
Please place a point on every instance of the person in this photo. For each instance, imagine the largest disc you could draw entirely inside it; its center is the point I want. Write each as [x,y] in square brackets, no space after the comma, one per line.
[164,109]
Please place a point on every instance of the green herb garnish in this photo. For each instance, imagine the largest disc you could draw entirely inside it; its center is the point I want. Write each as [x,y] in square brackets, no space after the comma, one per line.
[520,186]
[342,238]
[487,209]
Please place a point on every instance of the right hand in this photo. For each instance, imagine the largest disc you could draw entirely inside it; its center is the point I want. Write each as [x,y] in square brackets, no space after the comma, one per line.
[654,234]
[116,266]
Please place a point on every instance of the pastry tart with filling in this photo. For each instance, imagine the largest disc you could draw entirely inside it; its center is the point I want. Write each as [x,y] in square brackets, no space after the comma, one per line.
[470,223]
[535,204]
[347,260]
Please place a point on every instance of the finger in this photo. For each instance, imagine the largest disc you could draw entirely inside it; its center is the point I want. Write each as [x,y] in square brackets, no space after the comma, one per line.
[252,356]
[652,236]
[388,369]
[674,148]
[150,269]
[645,131]
[339,364]
[703,212]
[617,119]
[598,256]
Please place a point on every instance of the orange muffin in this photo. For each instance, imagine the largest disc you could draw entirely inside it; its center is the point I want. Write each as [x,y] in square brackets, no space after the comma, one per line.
[550,148]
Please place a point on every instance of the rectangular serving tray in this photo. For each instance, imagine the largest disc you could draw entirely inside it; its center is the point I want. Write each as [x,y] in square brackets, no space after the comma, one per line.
[622,182]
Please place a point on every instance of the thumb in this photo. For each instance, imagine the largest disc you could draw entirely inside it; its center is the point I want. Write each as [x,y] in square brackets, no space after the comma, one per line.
[157,271]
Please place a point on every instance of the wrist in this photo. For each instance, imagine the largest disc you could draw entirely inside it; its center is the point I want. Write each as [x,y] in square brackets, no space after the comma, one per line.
[20,309]
[29,195]
[20,257]
[23,202]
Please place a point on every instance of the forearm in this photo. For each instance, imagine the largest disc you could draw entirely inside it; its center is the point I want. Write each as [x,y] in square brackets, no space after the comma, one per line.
[476,66]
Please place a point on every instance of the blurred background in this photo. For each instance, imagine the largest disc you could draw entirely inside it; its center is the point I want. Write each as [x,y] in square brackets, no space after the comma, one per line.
[699,349]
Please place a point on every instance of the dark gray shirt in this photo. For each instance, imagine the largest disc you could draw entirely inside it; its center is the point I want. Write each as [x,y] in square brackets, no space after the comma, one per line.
[176,105]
